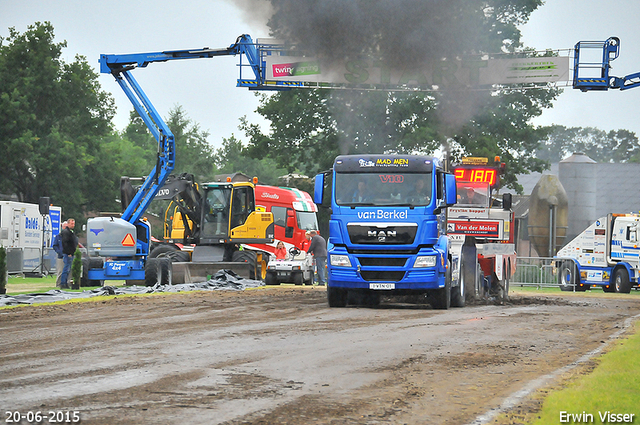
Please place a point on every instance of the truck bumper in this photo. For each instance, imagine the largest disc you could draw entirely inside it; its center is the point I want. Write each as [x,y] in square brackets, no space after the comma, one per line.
[412,280]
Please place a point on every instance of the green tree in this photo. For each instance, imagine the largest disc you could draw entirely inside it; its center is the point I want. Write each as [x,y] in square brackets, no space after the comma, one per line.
[614,146]
[232,157]
[138,134]
[194,154]
[53,118]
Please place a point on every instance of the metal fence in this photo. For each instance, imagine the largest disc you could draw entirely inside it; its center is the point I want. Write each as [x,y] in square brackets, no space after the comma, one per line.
[537,271]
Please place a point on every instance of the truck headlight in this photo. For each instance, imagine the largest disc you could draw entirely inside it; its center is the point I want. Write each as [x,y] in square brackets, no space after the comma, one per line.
[425,261]
[340,260]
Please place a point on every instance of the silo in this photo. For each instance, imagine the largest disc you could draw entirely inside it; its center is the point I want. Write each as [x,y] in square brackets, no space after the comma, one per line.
[578,175]
[548,216]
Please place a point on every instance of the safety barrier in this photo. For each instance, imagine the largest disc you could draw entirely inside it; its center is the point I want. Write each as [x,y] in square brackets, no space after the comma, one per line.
[537,271]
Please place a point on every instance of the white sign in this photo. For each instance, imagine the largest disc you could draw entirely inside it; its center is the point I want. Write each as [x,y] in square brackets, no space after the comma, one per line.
[441,74]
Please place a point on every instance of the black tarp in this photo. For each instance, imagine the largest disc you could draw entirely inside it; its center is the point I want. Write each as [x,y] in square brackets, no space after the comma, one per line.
[222,280]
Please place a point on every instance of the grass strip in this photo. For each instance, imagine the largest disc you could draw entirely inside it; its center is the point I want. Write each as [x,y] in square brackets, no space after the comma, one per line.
[612,388]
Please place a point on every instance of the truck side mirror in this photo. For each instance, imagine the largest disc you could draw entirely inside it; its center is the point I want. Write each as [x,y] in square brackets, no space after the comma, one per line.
[451,192]
[318,189]
[291,218]
[290,223]
[507,201]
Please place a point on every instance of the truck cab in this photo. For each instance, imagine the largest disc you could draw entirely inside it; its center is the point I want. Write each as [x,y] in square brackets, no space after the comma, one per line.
[604,255]
[387,233]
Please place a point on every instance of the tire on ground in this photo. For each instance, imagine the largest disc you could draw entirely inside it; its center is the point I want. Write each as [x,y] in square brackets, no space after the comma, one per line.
[96,263]
[162,249]
[506,281]
[270,279]
[567,276]
[166,271]
[458,293]
[440,299]
[311,279]
[152,272]
[468,272]
[621,281]
[246,256]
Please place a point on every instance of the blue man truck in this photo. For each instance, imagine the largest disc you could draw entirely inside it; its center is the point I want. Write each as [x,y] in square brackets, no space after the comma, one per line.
[387,233]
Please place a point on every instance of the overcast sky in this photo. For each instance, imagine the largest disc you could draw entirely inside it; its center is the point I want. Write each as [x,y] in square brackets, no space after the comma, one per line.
[206,87]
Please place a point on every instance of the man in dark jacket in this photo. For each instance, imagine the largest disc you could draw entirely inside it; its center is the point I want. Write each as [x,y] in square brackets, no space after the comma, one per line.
[57,247]
[69,242]
[318,248]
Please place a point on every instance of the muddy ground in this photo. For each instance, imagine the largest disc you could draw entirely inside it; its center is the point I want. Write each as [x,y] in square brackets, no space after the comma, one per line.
[281,356]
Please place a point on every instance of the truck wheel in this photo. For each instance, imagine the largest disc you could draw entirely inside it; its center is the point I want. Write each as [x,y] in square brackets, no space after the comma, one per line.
[337,297]
[297,278]
[440,299]
[166,271]
[458,296]
[152,273]
[469,272]
[270,279]
[505,282]
[621,281]
[246,256]
[567,276]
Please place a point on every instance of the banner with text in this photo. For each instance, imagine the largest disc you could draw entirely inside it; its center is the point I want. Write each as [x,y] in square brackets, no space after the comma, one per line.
[443,74]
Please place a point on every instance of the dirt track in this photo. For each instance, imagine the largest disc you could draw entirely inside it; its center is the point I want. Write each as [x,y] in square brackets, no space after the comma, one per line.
[281,356]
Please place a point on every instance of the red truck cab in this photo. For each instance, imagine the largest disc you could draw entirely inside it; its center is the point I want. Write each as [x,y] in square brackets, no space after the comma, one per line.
[294,214]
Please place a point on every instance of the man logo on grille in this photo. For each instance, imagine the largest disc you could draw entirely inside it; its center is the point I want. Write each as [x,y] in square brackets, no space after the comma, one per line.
[381,235]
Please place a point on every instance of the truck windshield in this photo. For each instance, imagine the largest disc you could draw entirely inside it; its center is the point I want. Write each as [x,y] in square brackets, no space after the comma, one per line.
[473,194]
[360,189]
[307,220]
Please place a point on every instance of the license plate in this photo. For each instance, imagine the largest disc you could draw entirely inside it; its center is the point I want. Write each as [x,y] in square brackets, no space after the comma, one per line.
[384,286]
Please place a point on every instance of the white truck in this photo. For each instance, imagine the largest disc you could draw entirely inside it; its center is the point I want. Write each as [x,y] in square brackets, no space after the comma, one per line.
[605,255]
[24,234]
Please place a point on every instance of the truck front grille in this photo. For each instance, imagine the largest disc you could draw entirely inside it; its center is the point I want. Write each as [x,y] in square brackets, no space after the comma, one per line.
[382,276]
[382,261]
[376,234]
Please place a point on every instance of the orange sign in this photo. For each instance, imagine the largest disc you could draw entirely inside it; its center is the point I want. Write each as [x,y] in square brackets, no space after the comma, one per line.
[128,240]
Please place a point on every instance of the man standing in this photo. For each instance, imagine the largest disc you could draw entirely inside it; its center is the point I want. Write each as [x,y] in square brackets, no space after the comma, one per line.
[69,244]
[57,247]
[318,248]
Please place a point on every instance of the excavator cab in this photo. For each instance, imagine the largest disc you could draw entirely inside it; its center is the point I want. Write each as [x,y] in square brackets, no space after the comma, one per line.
[229,215]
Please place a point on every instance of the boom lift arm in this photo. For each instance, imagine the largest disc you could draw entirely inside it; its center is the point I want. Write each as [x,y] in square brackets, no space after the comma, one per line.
[120,66]
[588,75]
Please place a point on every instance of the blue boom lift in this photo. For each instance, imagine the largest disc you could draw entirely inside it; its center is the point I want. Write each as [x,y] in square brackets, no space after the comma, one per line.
[120,246]
[589,74]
